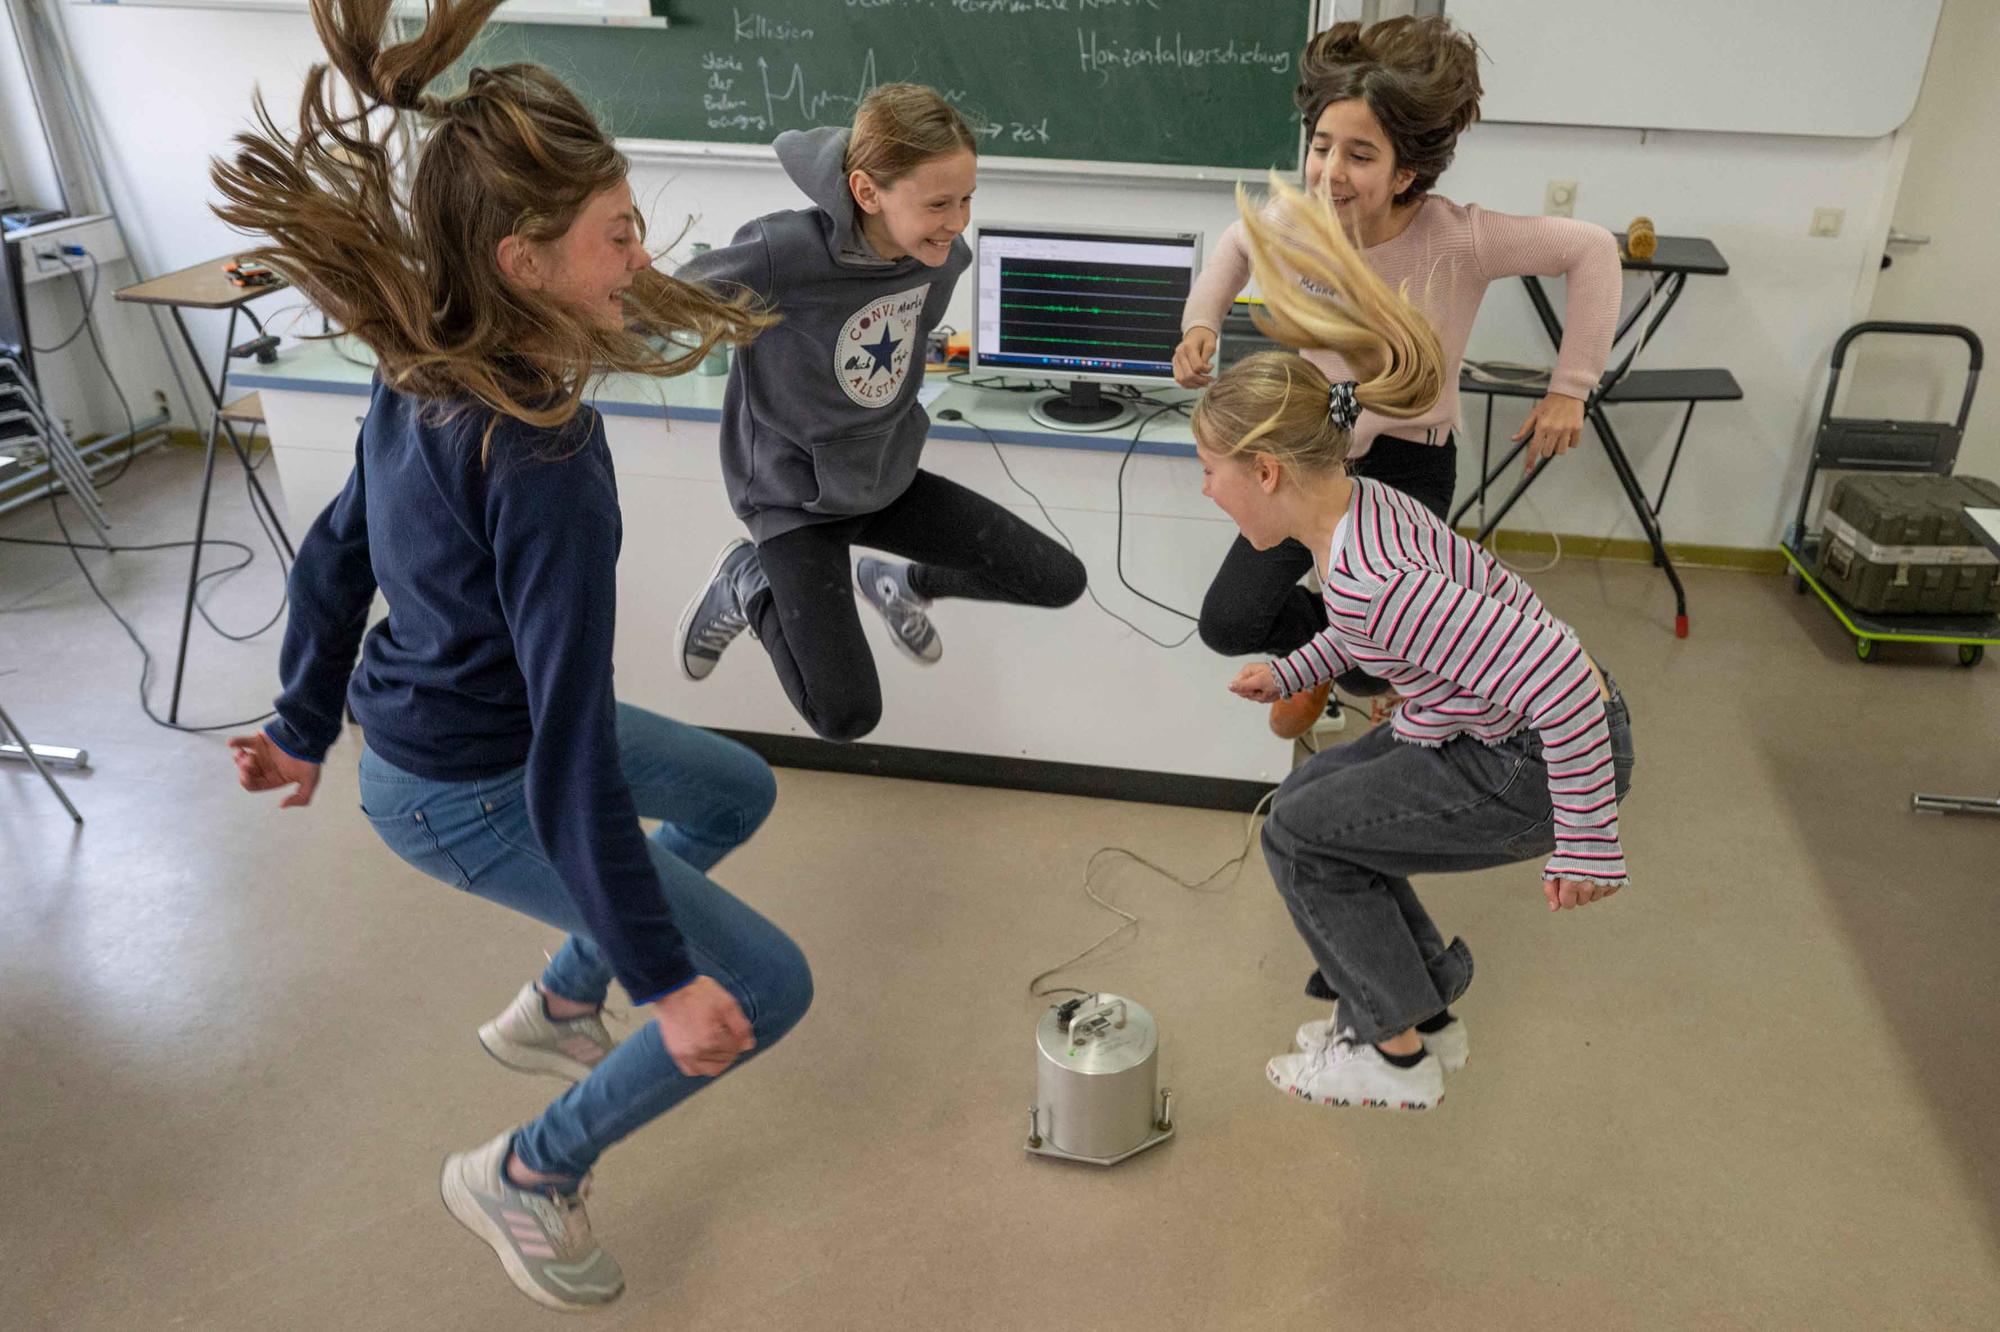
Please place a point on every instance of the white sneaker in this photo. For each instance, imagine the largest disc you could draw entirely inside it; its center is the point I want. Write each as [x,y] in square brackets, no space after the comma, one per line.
[526,1039]
[1343,1072]
[543,1240]
[1449,1044]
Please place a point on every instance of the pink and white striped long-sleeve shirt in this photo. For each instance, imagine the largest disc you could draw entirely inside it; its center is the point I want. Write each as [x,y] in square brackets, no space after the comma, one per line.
[1473,652]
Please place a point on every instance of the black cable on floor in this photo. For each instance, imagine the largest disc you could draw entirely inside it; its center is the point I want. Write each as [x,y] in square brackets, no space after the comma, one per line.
[75,548]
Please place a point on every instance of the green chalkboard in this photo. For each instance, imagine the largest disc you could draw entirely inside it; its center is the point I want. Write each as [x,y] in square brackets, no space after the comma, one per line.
[1169,82]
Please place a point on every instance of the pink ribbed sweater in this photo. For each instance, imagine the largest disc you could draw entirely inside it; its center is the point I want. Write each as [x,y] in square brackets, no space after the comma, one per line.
[1447,256]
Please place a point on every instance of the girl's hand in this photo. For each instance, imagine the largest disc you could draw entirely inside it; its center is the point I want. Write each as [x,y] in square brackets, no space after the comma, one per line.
[1557,424]
[1569,894]
[1256,683]
[262,766]
[1195,358]
[703,1028]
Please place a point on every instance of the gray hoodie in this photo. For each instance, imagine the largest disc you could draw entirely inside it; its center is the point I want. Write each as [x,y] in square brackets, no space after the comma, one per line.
[821,419]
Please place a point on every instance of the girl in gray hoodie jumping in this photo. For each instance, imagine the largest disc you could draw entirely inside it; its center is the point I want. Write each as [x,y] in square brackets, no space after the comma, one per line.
[822,430]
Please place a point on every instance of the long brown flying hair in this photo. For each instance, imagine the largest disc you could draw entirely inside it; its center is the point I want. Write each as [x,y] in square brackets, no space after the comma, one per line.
[514,153]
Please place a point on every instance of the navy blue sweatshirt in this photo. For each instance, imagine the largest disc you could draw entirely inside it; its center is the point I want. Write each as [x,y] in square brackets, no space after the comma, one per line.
[501,581]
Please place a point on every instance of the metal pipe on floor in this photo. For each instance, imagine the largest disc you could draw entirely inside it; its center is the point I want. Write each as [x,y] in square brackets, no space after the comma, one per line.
[1948,804]
[56,756]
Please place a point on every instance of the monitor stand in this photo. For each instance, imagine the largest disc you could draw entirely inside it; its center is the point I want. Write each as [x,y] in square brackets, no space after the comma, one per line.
[1084,409]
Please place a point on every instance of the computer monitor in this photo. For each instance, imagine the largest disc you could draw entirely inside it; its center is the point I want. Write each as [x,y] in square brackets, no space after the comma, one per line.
[1089,305]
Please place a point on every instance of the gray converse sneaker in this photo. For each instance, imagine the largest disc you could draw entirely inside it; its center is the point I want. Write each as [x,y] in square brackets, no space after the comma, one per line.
[526,1039]
[1344,1072]
[1450,1044]
[719,611]
[886,587]
[543,1239]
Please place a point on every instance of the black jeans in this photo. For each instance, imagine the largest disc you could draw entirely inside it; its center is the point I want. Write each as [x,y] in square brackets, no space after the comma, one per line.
[964,545]
[1255,605]
[1350,826]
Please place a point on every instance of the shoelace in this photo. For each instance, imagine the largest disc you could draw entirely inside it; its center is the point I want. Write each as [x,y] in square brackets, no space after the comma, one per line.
[1336,1050]
[718,633]
[591,1024]
[605,1012]
[1343,1033]
[905,616]
[563,1219]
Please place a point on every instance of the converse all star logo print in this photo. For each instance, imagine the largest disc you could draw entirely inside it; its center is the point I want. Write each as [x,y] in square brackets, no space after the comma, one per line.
[872,356]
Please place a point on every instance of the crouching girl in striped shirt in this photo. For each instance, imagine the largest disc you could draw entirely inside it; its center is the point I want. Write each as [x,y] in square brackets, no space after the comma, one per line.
[1511,744]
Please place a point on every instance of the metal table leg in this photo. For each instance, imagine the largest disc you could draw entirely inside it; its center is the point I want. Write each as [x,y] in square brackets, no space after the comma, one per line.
[33,757]
[1613,450]
[216,425]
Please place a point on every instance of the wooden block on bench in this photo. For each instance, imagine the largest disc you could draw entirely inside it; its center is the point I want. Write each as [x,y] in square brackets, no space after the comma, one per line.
[245,411]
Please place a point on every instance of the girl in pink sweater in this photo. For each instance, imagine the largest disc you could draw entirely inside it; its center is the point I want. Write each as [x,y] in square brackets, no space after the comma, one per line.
[1384,107]
[1511,744]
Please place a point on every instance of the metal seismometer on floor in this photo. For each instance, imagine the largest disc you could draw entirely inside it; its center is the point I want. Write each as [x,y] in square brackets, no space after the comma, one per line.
[1098,1098]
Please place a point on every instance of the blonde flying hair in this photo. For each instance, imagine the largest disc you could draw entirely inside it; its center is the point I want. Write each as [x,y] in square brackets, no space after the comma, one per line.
[417,277]
[1277,403]
[900,126]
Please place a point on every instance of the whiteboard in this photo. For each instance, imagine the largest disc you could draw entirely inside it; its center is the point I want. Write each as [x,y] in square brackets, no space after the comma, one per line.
[1838,68]
[588,13]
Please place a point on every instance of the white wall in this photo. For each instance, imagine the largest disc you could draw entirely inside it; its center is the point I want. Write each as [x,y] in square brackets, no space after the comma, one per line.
[169,104]
[168,87]
[1951,194]
[1771,321]
[29,177]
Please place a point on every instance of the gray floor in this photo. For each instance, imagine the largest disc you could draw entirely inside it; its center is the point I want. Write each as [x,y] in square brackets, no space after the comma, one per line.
[1755,1090]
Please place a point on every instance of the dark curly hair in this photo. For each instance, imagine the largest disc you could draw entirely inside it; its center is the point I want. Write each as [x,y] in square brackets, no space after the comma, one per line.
[1420,76]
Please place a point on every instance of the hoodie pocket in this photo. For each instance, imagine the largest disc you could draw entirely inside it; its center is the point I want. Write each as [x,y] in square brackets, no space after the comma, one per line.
[863,472]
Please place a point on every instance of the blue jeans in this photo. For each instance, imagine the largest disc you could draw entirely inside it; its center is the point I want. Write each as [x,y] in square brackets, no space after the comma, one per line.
[1350,825]
[712,794]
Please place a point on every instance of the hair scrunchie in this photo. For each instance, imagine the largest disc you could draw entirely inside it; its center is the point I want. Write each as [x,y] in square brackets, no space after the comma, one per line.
[1341,404]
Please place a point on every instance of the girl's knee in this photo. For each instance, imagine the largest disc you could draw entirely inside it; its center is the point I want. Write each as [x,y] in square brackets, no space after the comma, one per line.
[1277,847]
[785,991]
[846,720]
[1295,850]
[1279,834]
[756,792]
[1069,582]
[1230,635]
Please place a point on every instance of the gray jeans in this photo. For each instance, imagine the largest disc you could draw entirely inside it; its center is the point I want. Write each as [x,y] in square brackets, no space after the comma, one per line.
[1348,827]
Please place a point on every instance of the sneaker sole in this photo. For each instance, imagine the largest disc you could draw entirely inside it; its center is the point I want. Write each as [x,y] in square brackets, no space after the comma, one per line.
[465,1210]
[687,613]
[527,1058]
[1366,1102]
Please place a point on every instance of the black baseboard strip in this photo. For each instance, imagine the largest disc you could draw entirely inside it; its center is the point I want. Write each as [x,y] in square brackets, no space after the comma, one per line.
[1012,774]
